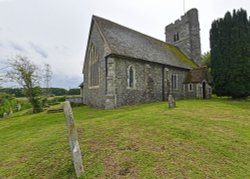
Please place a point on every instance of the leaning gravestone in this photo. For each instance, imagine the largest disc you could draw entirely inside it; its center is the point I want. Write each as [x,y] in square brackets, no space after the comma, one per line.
[73,141]
[18,107]
[5,115]
[171,101]
[11,112]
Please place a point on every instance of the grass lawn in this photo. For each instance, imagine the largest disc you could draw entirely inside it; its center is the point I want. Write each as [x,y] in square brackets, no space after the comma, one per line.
[197,139]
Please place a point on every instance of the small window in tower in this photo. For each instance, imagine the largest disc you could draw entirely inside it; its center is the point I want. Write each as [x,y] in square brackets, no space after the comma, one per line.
[176,36]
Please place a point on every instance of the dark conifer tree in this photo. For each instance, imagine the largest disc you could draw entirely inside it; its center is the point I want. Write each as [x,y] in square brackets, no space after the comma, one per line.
[230,54]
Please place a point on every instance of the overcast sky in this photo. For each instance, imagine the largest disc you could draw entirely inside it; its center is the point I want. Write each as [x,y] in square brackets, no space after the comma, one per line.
[56,31]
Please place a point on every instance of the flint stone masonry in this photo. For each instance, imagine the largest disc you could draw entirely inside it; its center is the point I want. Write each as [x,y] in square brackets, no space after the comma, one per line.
[156,64]
[96,97]
[151,82]
[110,102]
[188,30]
[73,141]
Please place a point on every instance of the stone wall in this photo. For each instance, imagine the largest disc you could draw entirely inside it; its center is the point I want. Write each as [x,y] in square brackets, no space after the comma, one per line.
[188,30]
[197,91]
[75,100]
[153,82]
[148,82]
[178,93]
[95,96]
[190,93]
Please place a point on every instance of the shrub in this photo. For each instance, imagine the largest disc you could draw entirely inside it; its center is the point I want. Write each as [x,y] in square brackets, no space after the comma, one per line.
[8,103]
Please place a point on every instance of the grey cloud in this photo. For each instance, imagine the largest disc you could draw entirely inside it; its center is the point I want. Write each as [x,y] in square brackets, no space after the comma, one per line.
[65,81]
[16,46]
[39,50]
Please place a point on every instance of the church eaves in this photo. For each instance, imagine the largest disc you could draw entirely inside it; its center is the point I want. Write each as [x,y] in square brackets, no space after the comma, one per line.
[129,43]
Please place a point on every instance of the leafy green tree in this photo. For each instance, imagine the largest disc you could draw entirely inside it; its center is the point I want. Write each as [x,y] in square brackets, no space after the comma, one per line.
[26,74]
[230,54]
[58,91]
[206,60]
[18,92]
[74,91]
[1,76]
[7,103]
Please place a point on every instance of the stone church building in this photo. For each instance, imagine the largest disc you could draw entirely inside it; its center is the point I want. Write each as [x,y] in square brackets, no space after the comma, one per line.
[124,67]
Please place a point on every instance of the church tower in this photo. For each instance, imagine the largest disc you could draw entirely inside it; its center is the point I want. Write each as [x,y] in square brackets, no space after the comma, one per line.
[184,33]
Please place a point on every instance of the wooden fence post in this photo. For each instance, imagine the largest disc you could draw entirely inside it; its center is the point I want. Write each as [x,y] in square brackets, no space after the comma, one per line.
[73,141]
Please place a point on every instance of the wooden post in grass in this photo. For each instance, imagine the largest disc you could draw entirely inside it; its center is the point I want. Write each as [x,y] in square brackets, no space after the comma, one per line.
[73,141]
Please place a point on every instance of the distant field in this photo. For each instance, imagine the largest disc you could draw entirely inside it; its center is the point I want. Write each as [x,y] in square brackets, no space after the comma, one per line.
[198,139]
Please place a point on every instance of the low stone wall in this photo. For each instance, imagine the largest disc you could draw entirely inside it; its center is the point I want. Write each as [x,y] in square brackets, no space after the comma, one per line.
[75,100]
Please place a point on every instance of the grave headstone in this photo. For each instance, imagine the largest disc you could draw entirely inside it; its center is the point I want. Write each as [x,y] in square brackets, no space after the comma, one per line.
[11,112]
[5,115]
[18,107]
[171,101]
[73,141]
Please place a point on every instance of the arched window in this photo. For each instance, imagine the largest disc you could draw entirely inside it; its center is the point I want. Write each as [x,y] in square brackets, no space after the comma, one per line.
[93,67]
[190,87]
[131,77]
[174,81]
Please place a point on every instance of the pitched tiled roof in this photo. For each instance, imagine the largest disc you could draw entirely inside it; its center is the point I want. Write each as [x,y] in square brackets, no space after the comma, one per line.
[127,42]
[81,85]
[198,75]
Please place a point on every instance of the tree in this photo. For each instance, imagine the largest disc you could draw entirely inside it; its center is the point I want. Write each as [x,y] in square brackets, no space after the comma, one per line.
[26,74]
[230,54]
[1,76]
[58,91]
[206,60]
[18,92]
[74,91]
[7,103]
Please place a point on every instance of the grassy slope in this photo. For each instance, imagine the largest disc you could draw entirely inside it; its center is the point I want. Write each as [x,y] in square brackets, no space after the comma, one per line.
[197,139]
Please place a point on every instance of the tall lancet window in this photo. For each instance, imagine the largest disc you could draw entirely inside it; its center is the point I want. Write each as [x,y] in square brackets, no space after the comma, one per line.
[174,81]
[131,77]
[93,67]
